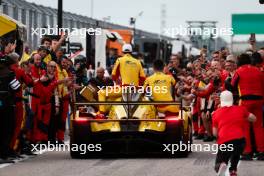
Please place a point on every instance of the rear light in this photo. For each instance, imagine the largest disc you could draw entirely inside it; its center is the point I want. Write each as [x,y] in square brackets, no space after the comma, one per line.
[80,119]
[172,119]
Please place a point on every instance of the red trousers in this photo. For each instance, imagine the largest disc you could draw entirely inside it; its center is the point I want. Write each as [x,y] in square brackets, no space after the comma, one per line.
[62,120]
[43,120]
[201,129]
[255,107]
[19,119]
[35,102]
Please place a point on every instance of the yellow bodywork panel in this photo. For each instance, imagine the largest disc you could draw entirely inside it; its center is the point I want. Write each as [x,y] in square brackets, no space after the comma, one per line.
[155,126]
[148,112]
[101,126]
[116,112]
[141,112]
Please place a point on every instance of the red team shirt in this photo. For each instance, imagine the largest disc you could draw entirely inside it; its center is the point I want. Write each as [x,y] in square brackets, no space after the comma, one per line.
[230,122]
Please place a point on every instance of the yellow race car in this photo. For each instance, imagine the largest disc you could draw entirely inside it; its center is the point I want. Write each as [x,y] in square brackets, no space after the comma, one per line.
[133,126]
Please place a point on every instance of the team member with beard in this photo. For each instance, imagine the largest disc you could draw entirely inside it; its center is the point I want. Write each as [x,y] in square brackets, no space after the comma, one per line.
[47,87]
[37,73]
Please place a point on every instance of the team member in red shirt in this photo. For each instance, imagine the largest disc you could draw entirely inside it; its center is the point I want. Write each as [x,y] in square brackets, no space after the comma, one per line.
[229,123]
[197,112]
[25,78]
[47,87]
[36,72]
[211,88]
[249,81]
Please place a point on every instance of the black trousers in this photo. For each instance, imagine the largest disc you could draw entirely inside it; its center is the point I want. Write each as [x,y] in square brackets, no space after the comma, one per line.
[232,156]
[7,126]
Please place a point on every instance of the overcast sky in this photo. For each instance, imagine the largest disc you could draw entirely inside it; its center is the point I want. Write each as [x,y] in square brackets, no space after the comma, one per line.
[178,11]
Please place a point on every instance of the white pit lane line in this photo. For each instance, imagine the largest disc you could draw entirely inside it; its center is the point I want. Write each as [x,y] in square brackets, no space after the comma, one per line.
[25,157]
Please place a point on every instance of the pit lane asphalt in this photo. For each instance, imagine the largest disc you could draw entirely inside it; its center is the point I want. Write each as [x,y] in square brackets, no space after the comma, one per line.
[61,164]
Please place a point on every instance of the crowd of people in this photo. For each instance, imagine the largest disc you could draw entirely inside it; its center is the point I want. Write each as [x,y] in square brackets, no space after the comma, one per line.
[200,83]
[205,79]
[45,81]
[41,93]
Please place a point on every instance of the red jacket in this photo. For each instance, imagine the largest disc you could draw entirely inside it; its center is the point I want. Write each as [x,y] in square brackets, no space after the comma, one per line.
[206,92]
[223,76]
[22,77]
[47,91]
[37,73]
[249,81]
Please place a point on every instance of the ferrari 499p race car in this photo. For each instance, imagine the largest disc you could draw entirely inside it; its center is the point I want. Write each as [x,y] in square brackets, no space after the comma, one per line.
[133,126]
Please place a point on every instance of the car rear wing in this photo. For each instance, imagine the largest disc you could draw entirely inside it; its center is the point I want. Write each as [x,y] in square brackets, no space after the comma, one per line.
[129,120]
[129,103]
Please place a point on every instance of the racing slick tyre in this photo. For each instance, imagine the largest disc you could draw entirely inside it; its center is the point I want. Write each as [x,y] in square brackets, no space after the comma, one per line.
[174,136]
[79,136]
[179,138]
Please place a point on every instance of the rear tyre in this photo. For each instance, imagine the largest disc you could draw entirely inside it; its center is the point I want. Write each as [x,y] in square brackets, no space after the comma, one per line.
[79,136]
[174,135]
